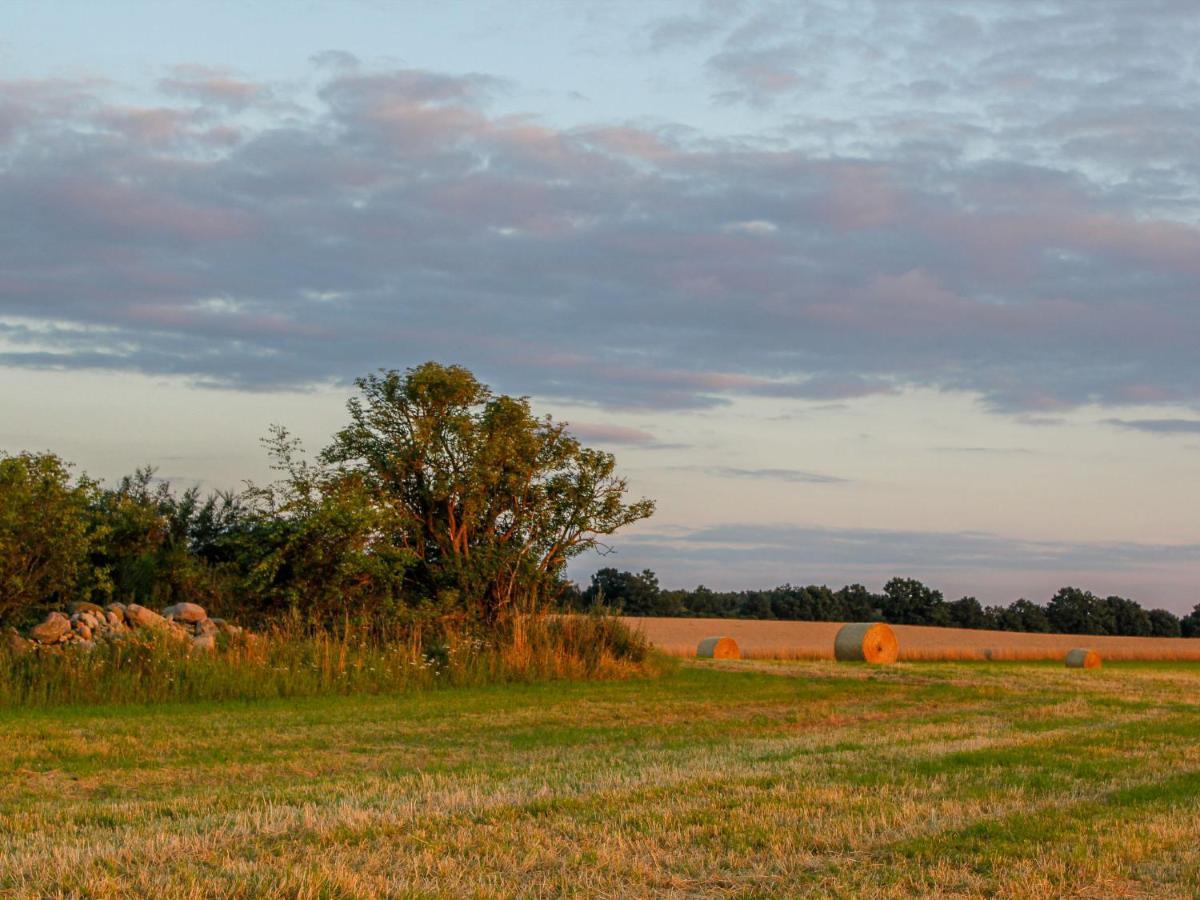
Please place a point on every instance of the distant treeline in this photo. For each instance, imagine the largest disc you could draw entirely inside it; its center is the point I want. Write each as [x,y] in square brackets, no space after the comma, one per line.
[904,601]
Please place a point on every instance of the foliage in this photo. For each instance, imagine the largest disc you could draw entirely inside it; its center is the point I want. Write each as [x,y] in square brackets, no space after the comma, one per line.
[47,533]
[490,500]
[438,500]
[161,548]
[316,547]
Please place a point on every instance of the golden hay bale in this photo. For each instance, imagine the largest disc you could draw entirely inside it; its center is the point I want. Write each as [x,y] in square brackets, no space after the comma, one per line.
[1082,658]
[718,648]
[872,642]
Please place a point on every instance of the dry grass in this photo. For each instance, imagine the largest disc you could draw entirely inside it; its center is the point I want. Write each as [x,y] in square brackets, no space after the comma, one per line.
[814,641]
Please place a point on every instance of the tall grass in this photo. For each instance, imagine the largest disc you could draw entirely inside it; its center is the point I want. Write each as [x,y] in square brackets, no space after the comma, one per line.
[284,662]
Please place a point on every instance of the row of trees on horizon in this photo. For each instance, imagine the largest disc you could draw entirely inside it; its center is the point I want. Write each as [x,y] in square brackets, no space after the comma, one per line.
[903,601]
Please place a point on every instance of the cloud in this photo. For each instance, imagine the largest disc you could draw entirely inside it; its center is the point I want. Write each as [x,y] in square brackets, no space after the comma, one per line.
[792,475]
[213,87]
[1026,232]
[807,547]
[995,568]
[599,433]
[1158,426]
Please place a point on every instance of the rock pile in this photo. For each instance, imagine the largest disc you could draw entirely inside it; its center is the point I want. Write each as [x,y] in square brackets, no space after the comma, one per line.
[86,623]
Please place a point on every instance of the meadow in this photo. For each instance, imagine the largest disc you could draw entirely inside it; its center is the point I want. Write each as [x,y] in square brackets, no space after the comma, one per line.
[760,639]
[740,778]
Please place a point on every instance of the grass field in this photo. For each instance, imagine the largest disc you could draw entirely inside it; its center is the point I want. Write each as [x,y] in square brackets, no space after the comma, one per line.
[760,639]
[729,778]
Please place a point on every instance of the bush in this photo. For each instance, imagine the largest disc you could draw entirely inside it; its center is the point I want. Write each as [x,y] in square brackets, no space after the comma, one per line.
[150,667]
[47,533]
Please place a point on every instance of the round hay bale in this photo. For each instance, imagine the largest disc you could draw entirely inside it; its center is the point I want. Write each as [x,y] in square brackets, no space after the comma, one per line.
[1082,658]
[718,648]
[872,642]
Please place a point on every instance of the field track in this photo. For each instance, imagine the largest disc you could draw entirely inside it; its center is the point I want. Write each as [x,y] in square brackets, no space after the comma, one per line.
[760,639]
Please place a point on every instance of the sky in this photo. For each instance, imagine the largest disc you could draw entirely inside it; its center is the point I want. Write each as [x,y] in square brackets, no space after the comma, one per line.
[852,288]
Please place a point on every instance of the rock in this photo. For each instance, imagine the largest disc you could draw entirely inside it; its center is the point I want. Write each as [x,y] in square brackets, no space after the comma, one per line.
[84,631]
[115,620]
[186,612]
[55,626]
[16,644]
[206,626]
[225,628]
[144,618]
[206,642]
[81,606]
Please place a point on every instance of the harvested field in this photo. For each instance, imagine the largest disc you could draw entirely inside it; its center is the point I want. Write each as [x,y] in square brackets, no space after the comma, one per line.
[814,640]
[723,778]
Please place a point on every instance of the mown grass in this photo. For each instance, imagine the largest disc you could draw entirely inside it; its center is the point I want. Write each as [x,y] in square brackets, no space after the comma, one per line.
[729,779]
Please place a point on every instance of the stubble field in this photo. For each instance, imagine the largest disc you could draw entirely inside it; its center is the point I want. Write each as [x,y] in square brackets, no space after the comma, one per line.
[760,639]
[743,778]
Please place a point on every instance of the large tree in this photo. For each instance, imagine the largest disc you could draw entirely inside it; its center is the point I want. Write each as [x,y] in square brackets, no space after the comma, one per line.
[491,499]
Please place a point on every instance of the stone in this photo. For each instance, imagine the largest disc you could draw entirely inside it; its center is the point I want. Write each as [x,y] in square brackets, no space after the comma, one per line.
[52,629]
[82,606]
[225,627]
[206,642]
[206,626]
[115,620]
[83,630]
[144,618]
[186,612]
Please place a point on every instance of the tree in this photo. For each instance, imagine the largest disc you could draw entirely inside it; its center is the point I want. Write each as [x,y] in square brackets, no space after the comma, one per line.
[635,594]
[1074,611]
[318,546]
[47,531]
[967,613]
[856,604]
[491,500]
[907,601]
[1021,615]
[1164,623]
[1128,618]
[161,548]
[1189,625]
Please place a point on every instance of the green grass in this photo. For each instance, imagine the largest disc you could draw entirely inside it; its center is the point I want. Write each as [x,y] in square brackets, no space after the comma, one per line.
[729,779]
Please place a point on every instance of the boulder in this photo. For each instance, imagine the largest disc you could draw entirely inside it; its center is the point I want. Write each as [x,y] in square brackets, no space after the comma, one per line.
[205,626]
[185,612]
[115,620]
[55,626]
[141,617]
[82,606]
[83,630]
[225,628]
[206,642]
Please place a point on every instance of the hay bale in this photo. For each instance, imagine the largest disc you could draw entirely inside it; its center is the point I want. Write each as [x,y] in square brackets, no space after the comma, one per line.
[872,642]
[718,648]
[1082,658]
